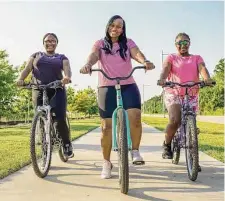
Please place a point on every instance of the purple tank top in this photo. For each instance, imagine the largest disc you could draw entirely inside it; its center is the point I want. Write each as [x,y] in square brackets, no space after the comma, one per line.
[48,68]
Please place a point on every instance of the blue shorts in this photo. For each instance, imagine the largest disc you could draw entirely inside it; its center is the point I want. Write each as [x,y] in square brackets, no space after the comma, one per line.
[107,99]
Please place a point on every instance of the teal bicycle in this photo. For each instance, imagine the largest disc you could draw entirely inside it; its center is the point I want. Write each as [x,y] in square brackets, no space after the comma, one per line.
[121,143]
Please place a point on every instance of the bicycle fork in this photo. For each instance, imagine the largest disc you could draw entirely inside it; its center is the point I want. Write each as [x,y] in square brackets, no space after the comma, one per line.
[47,125]
[114,121]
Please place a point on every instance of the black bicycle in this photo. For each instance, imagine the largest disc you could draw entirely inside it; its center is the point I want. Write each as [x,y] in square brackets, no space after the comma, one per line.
[44,136]
[187,134]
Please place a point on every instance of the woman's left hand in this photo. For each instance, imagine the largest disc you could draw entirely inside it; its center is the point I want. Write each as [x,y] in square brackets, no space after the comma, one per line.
[66,80]
[149,65]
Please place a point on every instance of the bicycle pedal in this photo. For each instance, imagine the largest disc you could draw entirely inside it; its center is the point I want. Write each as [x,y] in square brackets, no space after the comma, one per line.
[69,156]
[138,163]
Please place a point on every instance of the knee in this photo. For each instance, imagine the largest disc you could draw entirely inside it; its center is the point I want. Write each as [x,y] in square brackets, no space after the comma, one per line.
[106,127]
[174,121]
[137,121]
[135,118]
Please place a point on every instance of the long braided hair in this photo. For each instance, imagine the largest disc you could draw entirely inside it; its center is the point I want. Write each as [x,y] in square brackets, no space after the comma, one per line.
[122,40]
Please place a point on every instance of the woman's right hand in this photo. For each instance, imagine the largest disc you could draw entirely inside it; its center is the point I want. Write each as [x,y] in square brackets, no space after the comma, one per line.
[86,69]
[161,82]
[20,82]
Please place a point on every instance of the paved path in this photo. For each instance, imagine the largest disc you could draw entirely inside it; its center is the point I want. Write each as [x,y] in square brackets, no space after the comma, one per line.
[79,179]
[212,119]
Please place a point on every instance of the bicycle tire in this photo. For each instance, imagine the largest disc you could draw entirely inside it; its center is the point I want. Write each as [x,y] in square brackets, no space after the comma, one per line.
[176,151]
[62,157]
[122,151]
[34,157]
[191,142]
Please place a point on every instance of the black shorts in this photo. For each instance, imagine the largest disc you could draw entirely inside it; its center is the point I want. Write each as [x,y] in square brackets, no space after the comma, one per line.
[107,99]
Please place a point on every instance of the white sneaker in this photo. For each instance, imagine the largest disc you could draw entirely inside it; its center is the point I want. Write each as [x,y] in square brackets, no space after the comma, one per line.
[106,170]
[136,157]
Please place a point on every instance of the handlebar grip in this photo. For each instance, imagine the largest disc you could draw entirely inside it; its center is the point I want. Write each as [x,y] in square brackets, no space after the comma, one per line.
[94,70]
[167,83]
[213,83]
[25,84]
[140,67]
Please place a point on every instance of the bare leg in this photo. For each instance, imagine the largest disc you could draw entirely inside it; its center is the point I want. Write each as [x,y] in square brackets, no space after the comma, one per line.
[134,116]
[174,122]
[173,125]
[106,138]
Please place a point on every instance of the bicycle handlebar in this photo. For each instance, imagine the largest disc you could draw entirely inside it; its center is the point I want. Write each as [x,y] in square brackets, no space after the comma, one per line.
[54,84]
[187,85]
[119,78]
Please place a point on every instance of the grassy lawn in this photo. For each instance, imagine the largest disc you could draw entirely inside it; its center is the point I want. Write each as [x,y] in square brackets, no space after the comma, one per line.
[14,144]
[211,138]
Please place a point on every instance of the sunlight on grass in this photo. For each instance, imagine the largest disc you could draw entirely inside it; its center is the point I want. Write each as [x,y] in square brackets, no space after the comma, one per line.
[14,144]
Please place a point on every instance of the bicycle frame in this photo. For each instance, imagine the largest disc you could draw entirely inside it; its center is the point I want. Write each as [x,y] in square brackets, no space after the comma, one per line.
[119,106]
[46,107]
[186,109]
[114,120]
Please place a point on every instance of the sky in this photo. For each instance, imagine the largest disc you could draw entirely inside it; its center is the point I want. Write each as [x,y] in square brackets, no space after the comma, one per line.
[153,25]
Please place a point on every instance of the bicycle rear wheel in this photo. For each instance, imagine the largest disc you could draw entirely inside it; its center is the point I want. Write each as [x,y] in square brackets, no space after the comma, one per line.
[122,151]
[191,150]
[61,153]
[40,145]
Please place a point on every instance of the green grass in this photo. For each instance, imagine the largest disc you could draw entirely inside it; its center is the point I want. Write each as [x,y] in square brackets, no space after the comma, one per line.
[14,144]
[211,138]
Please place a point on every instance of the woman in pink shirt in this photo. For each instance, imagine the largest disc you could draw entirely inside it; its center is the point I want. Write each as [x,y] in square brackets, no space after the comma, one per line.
[181,67]
[113,54]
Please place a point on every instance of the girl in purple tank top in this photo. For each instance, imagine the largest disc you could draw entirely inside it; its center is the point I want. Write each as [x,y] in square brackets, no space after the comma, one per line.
[47,67]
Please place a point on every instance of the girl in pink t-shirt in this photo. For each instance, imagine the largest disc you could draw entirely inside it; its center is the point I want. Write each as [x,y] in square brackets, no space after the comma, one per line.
[181,67]
[113,54]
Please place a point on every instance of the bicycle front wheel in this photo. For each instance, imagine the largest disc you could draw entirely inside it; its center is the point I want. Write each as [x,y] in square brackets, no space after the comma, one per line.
[176,150]
[40,145]
[191,150]
[122,151]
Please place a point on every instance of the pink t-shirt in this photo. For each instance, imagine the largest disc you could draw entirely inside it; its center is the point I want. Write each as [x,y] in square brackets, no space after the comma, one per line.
[113,65]
[183,69]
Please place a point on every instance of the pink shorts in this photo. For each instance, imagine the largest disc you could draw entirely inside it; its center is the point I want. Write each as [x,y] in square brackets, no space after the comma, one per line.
[171,99]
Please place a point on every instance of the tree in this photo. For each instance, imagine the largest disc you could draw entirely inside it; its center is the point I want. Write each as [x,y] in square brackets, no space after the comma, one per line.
[93,106]
[86,102]
[22,105]
[212,98]
[70,99]
[7,84]
[154,105]
[219,71]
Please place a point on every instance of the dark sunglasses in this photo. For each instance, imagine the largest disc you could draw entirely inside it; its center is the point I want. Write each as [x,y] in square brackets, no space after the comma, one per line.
[183,42]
